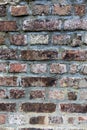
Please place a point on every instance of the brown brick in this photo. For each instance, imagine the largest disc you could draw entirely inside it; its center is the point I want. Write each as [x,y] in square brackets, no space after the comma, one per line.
[74,68]
[17,67]
[42,25]
[8,54]
[2,10]
[38,81]
[39,54]
[58,68]
[8,107]
[14,93]
[3,67]
[62,9]
[72,95]
[2,118]
[64,39]
[79,55]
[8,26]
[2,93]
[40,9]
[19,10]
[37,120]
[73,108]
[38,107]
[73,24]
[80,10]
[38,68]
[18,39]
[37,94]
[8,81]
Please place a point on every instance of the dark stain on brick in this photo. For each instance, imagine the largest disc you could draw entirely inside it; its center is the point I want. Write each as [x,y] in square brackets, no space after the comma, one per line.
[37,120]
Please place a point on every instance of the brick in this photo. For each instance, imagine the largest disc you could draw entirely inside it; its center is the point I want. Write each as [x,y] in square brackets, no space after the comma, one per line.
[19,10]
[3,67]
[8,54]
[8,107]
[72,95]
[2,119]
[17,67]
[77,40]
[73,108]
[60,39]
[38,81]
[71,120]
[58,68]
[74,68]
[18,119]
[16,94]
[2,10]
[2,38]
[35,129]
[83,95]
[39,55]
[37,120]
[8,26]
[18,39]
[79,55]
[73,24]
[39,39]
[79,9]
[84,69]
[38,68]
[55,120]
[38,107]
[6,128]
[8,81]
[82,119]
[37,94]
[61,9]
[2,94]
[57,94]
[83,83]
[85,38]
[42,25]
[40,10]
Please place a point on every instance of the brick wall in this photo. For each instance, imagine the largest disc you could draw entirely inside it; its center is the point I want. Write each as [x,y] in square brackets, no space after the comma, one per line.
[43,65]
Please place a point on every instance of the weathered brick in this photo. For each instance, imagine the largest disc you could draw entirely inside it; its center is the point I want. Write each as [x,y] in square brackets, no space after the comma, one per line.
[73,24]
[57,94]
[3,67]
[18,39]
[2,93]
[85,38]
[17,67]
[83,95]
[71,120]
[8,81]
[37,120]
[79,55]
[38,81]
[74,68]
[58,68]
[60,39]
[16,94]
[42,25]
[2,119]
[38,68]
[2,38]
[84,69]
[37,94]
[55,120]
[19,10]
[72,95]
[39,39]
[62,9]
[82,119]
[38,107]
[2,10]
[40,9]
[8,26]
[39,54]
[8,54]
[77,40]
[73,108]
[8,107]
[83,83]
[80,10]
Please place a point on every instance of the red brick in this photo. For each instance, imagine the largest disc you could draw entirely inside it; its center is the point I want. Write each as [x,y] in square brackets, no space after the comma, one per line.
[16,94]
[2,10]
[62,9]
[8,26]
[42,25]
[73,108]
[80,10]
[37,120]
[39,54]
[38,107]
[19,10]
[8,81]
[17,67]
[38,68]
[8,54]
[2,119]
[2,93]
[3,67]
[38,81]
[79,55]
[40,9]
[8,107]
[37,94]
[18,39]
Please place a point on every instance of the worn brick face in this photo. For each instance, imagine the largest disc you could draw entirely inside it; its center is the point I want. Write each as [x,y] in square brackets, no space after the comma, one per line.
[37,120]
[15,94]
[80,10]
[2,10]
[37,94]
[9,107]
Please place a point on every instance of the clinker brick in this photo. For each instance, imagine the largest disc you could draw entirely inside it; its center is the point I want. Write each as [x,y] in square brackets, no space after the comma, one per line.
[16,94]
